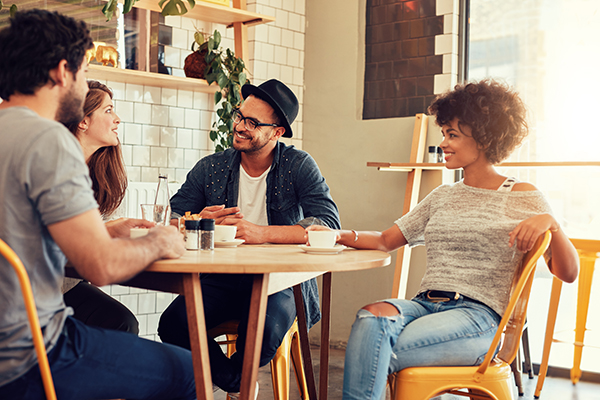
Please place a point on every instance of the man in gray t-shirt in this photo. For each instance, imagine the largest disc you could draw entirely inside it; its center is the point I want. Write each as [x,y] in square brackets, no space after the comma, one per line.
[48,214]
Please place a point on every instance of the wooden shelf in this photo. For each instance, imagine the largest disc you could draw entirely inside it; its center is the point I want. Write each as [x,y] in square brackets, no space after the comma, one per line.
[99,72]
[212,12]
[407,167]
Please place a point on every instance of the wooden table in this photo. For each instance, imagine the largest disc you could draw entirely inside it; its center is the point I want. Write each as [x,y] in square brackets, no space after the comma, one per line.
[274,267]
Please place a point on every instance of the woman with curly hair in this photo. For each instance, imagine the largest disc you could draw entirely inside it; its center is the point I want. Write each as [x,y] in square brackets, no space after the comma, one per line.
[97,134]
[475,232]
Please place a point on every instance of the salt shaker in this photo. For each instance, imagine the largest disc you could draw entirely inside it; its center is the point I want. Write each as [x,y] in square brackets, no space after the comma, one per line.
[192,237]
[207,234]
[440,155]
[433,156]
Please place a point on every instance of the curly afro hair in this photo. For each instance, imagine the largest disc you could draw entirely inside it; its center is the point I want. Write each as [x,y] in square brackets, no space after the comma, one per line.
[494,112]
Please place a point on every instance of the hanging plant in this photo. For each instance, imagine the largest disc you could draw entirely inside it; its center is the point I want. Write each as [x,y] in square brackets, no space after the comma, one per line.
[168,7]
[227,70]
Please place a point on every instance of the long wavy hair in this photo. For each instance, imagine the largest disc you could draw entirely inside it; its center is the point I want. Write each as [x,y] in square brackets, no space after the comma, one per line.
[106,165]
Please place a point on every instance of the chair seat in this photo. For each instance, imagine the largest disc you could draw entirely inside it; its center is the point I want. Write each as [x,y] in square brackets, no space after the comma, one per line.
[426,382]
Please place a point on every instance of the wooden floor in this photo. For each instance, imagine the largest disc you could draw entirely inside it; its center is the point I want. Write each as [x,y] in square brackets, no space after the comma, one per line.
[554,388]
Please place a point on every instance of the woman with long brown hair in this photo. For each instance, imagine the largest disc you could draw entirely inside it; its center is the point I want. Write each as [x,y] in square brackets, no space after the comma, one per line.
[97,134]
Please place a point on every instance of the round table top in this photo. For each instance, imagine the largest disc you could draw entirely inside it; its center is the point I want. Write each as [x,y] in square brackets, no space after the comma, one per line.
[258,259]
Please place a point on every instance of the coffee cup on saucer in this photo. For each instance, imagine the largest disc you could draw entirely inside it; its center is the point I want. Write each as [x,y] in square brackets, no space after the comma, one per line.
[225,233]
[322,239]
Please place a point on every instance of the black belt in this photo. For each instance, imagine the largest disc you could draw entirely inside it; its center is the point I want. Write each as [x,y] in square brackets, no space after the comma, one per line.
[441,295]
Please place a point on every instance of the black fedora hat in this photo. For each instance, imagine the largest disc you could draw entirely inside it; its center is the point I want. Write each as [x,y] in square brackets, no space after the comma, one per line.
[280,97]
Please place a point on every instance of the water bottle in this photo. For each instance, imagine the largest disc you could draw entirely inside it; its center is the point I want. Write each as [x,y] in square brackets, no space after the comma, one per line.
[162,201]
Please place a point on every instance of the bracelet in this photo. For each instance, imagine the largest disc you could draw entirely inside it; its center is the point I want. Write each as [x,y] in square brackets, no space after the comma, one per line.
[355,235]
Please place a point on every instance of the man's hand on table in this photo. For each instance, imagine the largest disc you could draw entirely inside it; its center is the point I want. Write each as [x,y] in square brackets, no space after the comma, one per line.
[219,213]
[248,231]
[168,240]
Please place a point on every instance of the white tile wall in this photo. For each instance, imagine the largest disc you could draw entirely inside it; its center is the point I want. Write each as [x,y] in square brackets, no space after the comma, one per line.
[166,130]
[447,45]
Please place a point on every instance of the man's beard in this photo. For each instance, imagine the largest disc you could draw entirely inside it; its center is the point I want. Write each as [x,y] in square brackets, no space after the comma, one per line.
[70,108]
[253,146]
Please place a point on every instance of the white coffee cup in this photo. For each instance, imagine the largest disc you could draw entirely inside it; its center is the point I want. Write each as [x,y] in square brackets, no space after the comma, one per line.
[225,233]
[322,238]
[137,232]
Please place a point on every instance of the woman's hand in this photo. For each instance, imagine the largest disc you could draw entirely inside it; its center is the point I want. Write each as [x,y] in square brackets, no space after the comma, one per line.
[527,232]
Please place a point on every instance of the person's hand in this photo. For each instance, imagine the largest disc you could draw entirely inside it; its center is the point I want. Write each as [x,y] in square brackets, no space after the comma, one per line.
[527,232]
[219,213]
[119,228]
[168,239]
[251,233]
[320,228]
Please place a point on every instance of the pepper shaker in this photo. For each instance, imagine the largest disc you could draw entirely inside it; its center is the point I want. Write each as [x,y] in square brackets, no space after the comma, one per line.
[207,234]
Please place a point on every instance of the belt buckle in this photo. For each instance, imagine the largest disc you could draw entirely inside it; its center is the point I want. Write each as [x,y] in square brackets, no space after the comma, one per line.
[441,299]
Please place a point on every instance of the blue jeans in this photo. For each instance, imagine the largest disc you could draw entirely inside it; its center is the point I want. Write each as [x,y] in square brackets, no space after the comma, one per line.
[227,297]
[423,333]
[93,363]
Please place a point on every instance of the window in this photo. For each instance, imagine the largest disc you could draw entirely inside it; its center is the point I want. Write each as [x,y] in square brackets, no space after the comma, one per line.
[549,51]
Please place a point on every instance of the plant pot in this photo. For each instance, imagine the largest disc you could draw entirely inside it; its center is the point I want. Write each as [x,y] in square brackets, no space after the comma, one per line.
[195,64]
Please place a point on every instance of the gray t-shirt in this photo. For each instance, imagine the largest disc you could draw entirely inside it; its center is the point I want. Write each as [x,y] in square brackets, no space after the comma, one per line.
[465,231]
[43,180]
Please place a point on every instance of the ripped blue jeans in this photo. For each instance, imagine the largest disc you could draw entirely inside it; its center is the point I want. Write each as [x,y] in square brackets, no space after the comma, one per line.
[424,333]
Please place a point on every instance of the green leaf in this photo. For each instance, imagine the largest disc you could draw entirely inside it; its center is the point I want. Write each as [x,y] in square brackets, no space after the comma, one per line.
[1,4]
[223,128]
[227,107]
[13,10]
[211,77]
[242,78]
[213,135]
[222,80]
[217,37]
[128,4]
[211,44]
[109,9]
[192,3]
[198,37]
[218,96]
[174,7]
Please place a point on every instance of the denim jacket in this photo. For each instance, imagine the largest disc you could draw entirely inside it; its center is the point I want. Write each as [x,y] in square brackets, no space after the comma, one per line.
[296,195]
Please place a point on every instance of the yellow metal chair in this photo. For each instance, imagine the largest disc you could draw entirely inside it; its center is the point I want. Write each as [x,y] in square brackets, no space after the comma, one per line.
[34,323]
[289,350]
[493,378]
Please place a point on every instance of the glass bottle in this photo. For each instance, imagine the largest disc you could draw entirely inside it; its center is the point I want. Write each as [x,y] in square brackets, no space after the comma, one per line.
[207,234]
[192,234]
[162,201]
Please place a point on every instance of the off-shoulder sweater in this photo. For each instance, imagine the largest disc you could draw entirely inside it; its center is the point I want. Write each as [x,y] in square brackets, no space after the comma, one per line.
[466,232]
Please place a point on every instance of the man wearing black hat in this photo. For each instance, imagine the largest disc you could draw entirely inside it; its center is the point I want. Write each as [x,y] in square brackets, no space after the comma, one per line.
[271,192]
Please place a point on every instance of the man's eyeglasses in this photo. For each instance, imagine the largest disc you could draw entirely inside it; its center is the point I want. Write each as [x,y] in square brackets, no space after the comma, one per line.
[250,123]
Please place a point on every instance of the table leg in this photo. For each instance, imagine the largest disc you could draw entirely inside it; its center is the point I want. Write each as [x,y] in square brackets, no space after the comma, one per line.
[198,341]
[254,336]
[587,261]
[304,344]
[325,329]
[550,324]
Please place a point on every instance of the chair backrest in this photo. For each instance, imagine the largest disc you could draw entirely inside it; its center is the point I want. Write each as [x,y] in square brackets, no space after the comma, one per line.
[34,322]
[514,317]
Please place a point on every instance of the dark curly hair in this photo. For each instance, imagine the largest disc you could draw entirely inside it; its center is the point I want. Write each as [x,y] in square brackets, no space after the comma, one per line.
[35,43]
[494,112]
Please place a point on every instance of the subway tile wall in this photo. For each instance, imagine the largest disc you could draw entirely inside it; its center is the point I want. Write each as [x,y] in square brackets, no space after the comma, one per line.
[167,131]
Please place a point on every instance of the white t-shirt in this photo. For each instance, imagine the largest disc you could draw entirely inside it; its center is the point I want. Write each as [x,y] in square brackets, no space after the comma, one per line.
[252,197]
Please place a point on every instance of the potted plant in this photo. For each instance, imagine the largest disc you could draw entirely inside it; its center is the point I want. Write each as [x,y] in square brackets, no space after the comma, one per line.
[227,70]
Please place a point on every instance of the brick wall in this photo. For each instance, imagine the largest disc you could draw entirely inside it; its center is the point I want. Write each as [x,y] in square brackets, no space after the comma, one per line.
[401,58]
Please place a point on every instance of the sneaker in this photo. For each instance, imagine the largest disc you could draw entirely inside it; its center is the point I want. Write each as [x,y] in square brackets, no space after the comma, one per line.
[236,396]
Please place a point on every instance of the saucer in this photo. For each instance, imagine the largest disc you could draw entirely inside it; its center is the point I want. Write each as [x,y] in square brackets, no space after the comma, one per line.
[323,250]
[229,243]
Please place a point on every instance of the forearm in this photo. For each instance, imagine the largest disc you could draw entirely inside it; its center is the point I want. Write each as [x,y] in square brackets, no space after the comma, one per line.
[388,240]
[292,234]
[564,263]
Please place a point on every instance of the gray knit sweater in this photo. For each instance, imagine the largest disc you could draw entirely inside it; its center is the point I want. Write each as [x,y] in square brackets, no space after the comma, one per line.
[466,231]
